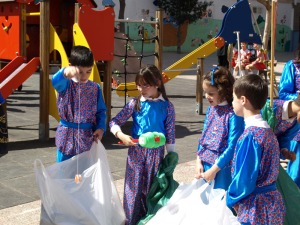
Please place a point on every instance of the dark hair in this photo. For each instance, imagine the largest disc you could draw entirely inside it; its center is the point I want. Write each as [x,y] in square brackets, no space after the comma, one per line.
[221,78]
[150,75]
[81,56]
[254,88]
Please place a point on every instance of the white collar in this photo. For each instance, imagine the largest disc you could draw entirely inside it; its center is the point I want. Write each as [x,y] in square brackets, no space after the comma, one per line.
[223,103]
[160,97]
[256,121]
[76,80]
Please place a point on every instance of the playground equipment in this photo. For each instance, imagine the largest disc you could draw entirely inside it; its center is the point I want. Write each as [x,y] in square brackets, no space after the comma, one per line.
[237,18]
[22,41]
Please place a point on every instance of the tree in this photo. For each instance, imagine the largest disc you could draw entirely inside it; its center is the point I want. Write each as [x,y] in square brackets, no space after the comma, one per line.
[182,11]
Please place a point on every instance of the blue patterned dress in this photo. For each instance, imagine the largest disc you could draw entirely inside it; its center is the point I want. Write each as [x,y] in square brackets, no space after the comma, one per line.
[143,163]
[90,114]
[290,81]
[221,130]
[288,134]
[253,192]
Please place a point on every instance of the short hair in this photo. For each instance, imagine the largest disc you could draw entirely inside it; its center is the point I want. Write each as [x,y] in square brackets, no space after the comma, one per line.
[254,88]
[81,56]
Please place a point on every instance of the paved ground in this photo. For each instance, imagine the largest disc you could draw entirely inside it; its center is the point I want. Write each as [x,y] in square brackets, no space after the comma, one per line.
[19,199]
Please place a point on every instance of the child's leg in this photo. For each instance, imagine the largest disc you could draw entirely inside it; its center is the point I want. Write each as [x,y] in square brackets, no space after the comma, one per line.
[61,157]
[142,166]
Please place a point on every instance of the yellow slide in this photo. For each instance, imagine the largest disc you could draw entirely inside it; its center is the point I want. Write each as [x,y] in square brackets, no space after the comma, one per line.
[187,61]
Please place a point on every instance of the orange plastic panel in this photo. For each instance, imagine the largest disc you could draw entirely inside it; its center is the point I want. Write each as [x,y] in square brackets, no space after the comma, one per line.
[10,30]
[98,29]
[219,42]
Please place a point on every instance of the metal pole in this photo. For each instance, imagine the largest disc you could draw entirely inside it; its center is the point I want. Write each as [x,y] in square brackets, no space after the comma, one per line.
[239,53]
[199,89]
[159,41]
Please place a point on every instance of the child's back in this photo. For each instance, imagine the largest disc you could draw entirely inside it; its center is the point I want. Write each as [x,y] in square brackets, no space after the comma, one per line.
[253,192]
[255,174]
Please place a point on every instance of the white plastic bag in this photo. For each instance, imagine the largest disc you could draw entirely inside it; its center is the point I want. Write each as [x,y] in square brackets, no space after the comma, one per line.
[94,201]
[195,204]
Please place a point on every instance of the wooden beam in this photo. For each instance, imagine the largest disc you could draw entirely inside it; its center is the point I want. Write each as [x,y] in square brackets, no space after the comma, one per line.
[44,69]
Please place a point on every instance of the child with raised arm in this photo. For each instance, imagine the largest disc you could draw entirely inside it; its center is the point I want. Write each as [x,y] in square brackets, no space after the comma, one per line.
[221,130]
[80,105]
[252,192]
[151,111]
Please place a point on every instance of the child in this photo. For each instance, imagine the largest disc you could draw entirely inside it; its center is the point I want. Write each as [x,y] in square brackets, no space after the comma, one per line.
[252,192]
[289,85]
[80,105]
[151,111]
[221,130]
[3,127]
[244,60]
[288,134]
[259,62]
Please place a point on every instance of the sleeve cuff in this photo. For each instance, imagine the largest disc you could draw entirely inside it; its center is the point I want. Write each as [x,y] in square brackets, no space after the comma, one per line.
[114,129]
[170,147]
[285,112]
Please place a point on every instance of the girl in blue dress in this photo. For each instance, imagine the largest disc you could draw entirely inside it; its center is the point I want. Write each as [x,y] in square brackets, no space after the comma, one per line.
[221,130]
[253,192]
[150,111]
[80,105]
[289,85]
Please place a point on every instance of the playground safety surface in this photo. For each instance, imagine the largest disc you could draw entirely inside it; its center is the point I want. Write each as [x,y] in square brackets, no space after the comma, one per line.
[19,199]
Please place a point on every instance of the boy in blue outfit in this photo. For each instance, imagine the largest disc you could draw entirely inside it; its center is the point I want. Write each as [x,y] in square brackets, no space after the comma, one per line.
[80,105]
[252,192]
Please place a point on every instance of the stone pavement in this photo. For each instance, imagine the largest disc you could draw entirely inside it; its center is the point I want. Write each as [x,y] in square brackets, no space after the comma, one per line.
[19,199]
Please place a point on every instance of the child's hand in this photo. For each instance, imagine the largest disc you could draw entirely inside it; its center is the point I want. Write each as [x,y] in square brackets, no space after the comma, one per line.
[199,168]
[126,139]
[208,175]
[98,134]
[71,72]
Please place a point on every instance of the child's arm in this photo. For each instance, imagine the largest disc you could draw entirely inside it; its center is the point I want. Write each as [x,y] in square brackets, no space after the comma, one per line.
[100,117]
[287,82]
[198,168]
[246,168]
[294,109]
[60,79]
[119,120]
[170,128]
[236,128]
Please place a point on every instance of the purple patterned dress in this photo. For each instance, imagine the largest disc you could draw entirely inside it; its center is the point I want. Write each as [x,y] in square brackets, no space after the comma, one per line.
[79,105]
[143,163]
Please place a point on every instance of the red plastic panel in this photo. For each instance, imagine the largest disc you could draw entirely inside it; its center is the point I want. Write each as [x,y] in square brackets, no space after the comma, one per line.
[10,30]
[98,29]
[10,67]
[21,74]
